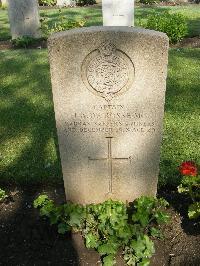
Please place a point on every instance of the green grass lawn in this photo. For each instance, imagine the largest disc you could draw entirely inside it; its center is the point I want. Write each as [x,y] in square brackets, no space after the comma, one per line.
[28,146]
[93,16]
[27,127]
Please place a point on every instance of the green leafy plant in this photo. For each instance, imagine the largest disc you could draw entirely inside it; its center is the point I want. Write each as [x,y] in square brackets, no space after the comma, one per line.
[190,185]
[68,216]
[3,195]
[47,2]
[24,42]
[111,225]
[63,23]
[174,25]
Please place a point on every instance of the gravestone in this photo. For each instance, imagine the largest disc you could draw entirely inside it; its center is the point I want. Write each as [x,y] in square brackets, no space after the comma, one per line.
[24,18]
[3,2]
[118,12]
[63,3]
[109,101]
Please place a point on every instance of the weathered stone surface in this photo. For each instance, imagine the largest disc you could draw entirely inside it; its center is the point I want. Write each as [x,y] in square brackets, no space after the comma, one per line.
[24,18]
[108,89]
[118,12]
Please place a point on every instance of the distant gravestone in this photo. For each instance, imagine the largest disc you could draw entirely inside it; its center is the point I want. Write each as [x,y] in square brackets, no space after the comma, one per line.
[63,3]
[3,2]
[118,12]
[24,18]
[109,101]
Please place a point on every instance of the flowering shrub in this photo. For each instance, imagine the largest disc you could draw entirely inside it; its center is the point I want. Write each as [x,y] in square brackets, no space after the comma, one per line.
[190,184]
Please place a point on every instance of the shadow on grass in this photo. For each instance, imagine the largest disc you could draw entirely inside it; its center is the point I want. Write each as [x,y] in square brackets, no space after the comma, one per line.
[193,27]
[28,135]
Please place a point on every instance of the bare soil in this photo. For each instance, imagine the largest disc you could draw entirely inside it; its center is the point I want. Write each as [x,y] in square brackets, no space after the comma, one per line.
[27,239]
[193,42]
[5,45]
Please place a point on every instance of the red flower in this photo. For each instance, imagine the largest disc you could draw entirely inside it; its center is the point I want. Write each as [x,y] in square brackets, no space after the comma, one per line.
[188,168]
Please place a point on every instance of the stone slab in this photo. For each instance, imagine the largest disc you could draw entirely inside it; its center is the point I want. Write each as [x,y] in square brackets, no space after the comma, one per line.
[109,92]
[118,12]
[24,18]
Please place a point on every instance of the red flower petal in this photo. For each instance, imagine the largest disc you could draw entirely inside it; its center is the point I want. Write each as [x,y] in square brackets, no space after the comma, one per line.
[188,168]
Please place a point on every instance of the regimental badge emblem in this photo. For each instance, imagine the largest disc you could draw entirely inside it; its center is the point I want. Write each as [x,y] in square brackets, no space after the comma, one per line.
[107,71]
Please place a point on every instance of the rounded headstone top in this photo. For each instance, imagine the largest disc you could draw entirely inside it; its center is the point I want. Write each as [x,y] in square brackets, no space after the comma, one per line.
[114,29]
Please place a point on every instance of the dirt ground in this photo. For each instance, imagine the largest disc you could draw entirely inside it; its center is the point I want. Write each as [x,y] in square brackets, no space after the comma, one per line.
[27,239]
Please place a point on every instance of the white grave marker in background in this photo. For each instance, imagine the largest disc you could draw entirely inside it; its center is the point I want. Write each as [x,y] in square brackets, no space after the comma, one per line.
[118,12]
[63,3]
[24,18]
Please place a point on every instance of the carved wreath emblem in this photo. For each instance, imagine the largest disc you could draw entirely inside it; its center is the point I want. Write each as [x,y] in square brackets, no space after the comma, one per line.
[107,71]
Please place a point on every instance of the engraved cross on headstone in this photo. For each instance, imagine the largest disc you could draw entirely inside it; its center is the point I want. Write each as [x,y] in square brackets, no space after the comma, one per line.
[110,160]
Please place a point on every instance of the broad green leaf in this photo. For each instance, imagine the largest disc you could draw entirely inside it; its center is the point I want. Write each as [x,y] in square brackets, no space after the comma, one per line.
[91,240]
[155,232]
[138,246]
[47,208]
[182,189]
[194,210]
[108,248]
[149,247]
[144,262]
[54,218]
[162,202]
[63,228]
[3,195]
[75,219]
[109,260]
[130,259]
[39,201]
[161,217]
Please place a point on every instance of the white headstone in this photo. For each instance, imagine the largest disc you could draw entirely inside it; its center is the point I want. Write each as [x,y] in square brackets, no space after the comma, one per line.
[62,3]
[3,2]
[118,12]
[24,18]
[109,102]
